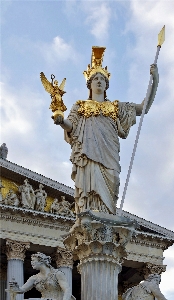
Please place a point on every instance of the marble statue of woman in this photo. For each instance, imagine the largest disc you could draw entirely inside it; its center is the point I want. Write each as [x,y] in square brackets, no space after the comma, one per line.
[50,282]
[93,128]
[27,195]
[41,196]
[146,290]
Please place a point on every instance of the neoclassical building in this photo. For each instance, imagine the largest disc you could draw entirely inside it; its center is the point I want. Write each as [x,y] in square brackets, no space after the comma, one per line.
[36,211]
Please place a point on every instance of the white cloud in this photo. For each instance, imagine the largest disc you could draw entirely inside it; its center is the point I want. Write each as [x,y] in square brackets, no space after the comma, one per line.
[99,14]
[57,50]
[14,115]
[53,52]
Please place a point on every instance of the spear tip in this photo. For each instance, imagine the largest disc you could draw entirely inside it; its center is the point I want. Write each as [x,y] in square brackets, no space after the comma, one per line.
[161,36]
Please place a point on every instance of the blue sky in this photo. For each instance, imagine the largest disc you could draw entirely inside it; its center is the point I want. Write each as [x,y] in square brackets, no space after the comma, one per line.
[56,37]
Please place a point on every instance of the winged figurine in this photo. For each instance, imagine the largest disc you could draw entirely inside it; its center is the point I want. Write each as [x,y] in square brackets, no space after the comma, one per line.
[57,106]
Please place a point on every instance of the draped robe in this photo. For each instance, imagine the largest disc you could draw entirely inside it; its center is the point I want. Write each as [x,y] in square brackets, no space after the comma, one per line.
[95,156]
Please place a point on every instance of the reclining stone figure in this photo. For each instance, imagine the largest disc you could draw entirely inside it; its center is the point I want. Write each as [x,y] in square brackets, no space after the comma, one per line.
[146,290]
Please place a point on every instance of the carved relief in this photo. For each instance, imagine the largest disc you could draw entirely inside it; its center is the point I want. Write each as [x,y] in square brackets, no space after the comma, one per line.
[94,240]
[24,196]
[11,199]
[153,269]
[63,258]
[16,250]
[39,178]
[62,207]
[6,186]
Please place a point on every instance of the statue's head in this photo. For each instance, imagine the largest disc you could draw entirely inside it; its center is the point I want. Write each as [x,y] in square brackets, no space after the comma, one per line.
[26,181]
[97,83]
[94,70]
[40,258]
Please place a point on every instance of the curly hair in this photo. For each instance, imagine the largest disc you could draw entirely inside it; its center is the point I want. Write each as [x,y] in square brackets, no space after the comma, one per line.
[42,258]
[88,84]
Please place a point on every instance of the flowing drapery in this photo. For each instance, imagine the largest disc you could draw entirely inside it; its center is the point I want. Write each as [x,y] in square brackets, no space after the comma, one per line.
[95,156]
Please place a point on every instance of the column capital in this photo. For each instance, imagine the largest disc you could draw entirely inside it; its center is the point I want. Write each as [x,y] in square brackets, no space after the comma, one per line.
[63,258]
[150,268]
[16,249]
[101,239]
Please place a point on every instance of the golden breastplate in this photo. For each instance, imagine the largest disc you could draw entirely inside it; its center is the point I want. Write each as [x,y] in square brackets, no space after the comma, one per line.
[90,108]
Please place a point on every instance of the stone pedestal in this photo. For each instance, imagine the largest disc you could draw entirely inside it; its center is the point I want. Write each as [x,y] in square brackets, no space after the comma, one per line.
[64,261]
[15,254]
[99,243]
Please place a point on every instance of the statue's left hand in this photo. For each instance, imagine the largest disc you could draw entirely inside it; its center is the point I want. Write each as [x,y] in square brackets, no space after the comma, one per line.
[153,69]
[14,287]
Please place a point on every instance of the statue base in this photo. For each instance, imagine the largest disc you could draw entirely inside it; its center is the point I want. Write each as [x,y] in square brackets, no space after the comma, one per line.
[99,243]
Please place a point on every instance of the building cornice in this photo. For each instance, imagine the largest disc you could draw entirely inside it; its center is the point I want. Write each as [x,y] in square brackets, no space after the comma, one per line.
[19,213]
[36,226]
[152,240]
[37,177]
[147,224]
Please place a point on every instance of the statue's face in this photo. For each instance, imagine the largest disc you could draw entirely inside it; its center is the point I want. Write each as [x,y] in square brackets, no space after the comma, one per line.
[98,84]
[35,263]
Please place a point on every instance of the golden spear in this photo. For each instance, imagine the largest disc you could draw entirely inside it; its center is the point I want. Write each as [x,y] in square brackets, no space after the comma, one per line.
[161,39]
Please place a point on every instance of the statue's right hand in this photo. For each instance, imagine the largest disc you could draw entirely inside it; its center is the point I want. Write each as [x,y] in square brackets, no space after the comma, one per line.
[59,120]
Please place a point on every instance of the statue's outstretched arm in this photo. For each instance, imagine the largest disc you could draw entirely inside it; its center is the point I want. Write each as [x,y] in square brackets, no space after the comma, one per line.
[64,123]
[154,72]
[64,285]
[14,288]
[28,285]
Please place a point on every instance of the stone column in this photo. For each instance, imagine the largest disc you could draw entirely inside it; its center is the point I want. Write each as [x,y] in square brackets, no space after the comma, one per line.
[99,273]
[3,280]
[64,261]
[15,255]
[99,243]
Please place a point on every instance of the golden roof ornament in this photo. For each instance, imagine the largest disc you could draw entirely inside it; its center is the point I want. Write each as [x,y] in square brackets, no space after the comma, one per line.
[96,63]
[56,92]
